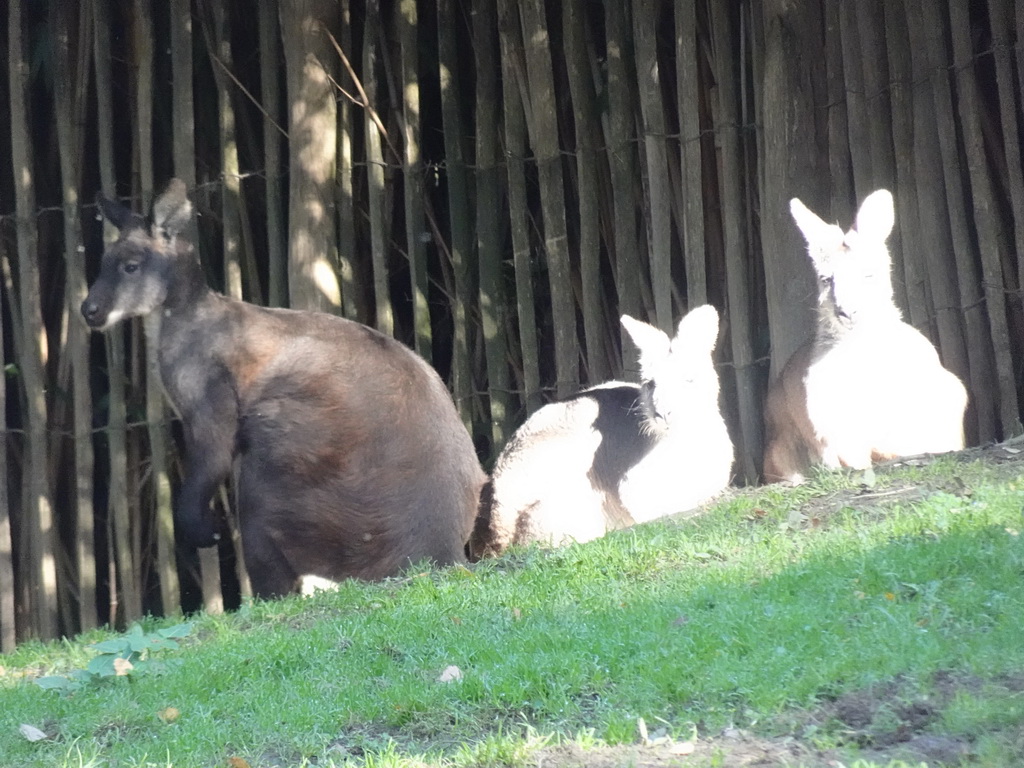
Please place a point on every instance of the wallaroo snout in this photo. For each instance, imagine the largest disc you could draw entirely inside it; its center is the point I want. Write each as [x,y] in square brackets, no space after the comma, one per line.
[352,460]
[618,453]
[867,386]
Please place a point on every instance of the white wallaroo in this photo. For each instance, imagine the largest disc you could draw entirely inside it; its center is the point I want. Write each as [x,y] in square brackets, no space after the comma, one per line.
[618,453]
[868,386]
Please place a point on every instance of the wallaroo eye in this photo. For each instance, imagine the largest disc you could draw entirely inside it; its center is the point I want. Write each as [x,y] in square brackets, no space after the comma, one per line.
[129,267]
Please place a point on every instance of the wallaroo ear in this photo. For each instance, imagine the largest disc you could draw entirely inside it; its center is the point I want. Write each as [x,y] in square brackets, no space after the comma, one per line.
[876,216]
[698,329]
[120,216]
[816,231]
[822,239]
[652,343]
[172,210]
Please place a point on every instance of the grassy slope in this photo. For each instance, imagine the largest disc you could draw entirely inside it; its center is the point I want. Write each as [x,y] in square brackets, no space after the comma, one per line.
[756,615]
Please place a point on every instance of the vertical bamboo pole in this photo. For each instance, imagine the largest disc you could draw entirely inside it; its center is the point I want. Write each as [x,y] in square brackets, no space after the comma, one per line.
[351,297]
[458,209]
[624,172]
[659,193]
[964,278]
[40,557]
[270,58]
[412,175]
[748,452]
[488,200]
[129,557]
[218,45]
[542,123]
[117,428]
[907,218]
[69,90]
[688,94]
[375,176]
[1000,14]
[312,126]
[513,70]
[581,87]
[842,195]
[8,627]
[988,227]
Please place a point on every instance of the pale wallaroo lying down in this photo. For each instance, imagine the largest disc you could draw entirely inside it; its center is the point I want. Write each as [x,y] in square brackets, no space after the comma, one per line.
[618,453]
[352,460]
[867,386]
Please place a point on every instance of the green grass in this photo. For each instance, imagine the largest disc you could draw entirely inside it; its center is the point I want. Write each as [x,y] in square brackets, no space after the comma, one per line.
[755,615]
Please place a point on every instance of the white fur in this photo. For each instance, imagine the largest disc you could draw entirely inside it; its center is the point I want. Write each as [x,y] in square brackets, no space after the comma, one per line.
[545,484]
[875,386]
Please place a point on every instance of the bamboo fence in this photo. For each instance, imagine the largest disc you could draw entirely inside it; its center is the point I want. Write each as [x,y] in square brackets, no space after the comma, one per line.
[493,183]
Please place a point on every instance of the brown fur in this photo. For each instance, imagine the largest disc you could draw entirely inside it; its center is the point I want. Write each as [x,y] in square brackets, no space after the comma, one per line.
[352,461]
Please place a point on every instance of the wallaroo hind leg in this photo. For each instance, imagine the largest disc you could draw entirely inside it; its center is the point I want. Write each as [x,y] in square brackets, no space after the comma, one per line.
[270,571]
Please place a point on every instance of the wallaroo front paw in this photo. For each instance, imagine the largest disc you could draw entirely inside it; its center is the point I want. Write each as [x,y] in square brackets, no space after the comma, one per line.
[201,533]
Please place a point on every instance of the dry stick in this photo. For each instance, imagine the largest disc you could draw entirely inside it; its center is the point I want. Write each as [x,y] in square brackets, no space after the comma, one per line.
[70,104]
[688,95]
[585,118]
[991,238]
[40,563]
[117,430]
[492,299]
[461,255]
[939,116]
[1000,15]
[736,247]
[908,223]
[512,72]
[659,193]
[623,165]
[542,124]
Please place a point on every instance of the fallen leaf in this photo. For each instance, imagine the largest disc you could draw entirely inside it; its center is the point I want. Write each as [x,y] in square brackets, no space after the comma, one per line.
[890,596]
[237,762]
[450,673]
[169,715]
[455,619]
[32,733]
[122,667]
[683,748]
[641,727]
[516,614]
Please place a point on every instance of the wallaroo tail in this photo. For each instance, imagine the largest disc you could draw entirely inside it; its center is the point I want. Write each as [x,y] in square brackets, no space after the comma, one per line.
[867,386]
[618,453]
[352,461]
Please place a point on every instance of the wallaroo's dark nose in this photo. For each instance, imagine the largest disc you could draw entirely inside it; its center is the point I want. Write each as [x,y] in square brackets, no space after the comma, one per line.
[90,310]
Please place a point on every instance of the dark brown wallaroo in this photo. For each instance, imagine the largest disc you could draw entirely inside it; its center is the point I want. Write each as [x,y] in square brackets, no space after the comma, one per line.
[352,460]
